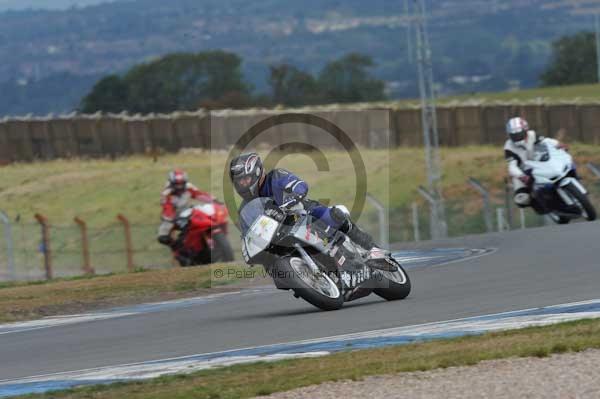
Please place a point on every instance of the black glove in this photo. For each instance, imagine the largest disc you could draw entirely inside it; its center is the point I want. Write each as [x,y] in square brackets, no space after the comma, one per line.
[165,240]
[290,200]
[275,213]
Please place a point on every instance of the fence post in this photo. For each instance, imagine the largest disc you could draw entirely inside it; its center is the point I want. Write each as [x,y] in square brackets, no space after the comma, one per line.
[87,267]
[594,169]
[43,221]
[509,201]
[522,214]
[500,219]
[415,222]
[128,244]
[434,230]
[487,209]
[383,227]
[8,238]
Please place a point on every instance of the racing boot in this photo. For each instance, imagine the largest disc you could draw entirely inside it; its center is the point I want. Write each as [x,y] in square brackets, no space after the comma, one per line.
[379,258]
[376,258]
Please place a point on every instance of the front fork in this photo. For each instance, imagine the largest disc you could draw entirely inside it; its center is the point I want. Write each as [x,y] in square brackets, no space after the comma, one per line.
[564,195]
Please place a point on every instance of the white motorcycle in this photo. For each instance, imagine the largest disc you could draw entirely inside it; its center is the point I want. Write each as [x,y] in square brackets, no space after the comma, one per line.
[556,189]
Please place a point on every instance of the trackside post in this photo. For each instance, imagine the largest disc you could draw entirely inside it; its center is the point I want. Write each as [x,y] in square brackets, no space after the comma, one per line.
[8,238]
[85,247]
[487,207]
[45,247]
[415,222]
[383,226]
[128,242]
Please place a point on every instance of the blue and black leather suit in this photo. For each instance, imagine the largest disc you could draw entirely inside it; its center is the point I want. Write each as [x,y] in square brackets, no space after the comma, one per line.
[283,186]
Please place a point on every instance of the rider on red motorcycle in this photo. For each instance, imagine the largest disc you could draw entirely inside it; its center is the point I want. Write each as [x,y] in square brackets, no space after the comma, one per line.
[176,197]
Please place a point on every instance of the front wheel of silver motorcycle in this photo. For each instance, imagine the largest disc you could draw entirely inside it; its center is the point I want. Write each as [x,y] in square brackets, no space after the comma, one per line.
[392,285]
[320,289]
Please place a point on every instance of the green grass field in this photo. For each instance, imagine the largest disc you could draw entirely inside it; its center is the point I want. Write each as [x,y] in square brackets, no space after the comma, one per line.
[97,190]
[546,95]
[589,92]
[21,301]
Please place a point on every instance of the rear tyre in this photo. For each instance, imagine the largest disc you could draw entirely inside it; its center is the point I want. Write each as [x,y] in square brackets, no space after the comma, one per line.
[589,212]
[222,251]
[393,285]
[322,291]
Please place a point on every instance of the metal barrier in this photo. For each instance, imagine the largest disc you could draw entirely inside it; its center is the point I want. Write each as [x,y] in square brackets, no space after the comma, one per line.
[487,207]
[46,250]
[383,222]
[8,239]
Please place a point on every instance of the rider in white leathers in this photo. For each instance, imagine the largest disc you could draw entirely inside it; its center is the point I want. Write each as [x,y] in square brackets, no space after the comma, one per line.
[519,148]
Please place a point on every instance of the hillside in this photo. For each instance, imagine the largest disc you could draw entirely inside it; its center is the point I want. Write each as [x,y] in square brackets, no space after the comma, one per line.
[477,45]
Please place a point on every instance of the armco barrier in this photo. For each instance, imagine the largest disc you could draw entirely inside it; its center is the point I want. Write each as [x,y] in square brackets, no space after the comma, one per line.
[113,135]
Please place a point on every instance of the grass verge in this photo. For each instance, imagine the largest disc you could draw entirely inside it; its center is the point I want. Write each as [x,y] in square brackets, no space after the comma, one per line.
[27,301]
[251,380]
[132,185]
[547,95]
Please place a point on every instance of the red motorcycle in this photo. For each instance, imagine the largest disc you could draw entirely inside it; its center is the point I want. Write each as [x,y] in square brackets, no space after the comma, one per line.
[202,235]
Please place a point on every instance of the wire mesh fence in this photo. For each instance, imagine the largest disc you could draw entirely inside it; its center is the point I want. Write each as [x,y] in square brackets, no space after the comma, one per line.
[108,252]
[24,254]
[466,216]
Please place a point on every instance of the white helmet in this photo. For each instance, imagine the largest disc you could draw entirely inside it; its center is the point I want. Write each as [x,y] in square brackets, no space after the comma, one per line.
[517,128]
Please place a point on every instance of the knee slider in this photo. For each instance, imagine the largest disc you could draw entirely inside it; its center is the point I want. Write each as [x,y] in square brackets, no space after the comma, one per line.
[341,216]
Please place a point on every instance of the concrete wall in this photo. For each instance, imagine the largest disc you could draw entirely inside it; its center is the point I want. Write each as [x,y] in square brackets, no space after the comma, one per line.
[28,139]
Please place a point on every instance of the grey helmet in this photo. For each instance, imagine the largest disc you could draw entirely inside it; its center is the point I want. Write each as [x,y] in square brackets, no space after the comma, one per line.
[245,172]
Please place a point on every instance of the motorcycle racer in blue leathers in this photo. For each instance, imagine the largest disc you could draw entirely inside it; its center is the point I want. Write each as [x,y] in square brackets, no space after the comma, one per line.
[288,191]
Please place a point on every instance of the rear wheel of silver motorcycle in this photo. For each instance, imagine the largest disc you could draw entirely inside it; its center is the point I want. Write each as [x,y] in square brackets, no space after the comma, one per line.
[319,290]
[583,201]
[393,285]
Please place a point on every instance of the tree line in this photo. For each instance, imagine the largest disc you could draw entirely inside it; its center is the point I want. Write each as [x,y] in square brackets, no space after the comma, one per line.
[573,61]
[213,79]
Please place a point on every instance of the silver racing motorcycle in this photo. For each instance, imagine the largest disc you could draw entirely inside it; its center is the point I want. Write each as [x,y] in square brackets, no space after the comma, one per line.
[318,263]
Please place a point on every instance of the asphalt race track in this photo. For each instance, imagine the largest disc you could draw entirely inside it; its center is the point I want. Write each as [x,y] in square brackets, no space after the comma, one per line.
[524,269]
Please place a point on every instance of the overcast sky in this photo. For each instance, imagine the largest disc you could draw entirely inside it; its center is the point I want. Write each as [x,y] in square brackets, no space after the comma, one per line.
[46,4]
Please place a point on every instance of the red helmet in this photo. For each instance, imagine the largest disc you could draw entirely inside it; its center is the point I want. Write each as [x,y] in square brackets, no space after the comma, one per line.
[178,181]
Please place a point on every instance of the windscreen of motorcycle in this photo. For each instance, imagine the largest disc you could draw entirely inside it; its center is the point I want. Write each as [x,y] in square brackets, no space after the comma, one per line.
[251,211]
[257,229]
[259,236]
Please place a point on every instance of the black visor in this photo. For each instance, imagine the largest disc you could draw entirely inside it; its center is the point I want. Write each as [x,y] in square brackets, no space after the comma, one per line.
[520,136]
